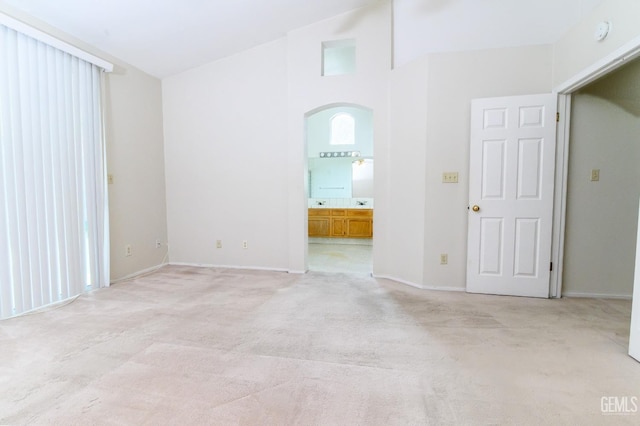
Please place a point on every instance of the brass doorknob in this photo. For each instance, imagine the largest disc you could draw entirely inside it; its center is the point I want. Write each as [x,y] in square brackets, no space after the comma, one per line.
[476,208]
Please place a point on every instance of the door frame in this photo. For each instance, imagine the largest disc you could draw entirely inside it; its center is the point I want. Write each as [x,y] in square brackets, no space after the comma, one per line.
[616,59]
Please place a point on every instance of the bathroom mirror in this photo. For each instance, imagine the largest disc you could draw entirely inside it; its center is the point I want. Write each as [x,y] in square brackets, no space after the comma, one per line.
[340,178]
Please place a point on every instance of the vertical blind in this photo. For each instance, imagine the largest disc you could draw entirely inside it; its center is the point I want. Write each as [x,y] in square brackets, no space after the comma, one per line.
[53,208]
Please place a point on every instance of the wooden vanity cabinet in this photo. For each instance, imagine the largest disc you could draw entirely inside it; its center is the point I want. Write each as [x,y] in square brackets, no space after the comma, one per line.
[338,225]
[360,223]
[319,222]
[341,223]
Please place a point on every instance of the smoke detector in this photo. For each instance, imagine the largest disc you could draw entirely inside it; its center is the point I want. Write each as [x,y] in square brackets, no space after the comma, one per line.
[602,30]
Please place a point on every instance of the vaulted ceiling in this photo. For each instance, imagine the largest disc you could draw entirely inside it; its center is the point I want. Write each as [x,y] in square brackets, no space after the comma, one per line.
[165,37]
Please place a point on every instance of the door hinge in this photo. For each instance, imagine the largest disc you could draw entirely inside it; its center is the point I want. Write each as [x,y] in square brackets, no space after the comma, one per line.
[550,266]
[557,117]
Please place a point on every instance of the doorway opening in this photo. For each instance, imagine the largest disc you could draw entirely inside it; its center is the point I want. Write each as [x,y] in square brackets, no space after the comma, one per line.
[596,96]
[340,188]
[603,186]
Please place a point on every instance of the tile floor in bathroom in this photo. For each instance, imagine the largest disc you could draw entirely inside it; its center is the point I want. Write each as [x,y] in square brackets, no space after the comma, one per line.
[340,256]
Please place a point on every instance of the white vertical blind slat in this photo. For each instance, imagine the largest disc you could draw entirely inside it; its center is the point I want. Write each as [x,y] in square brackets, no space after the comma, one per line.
[47,266]
[22,293]
[32,166]
[74,211]
[52,165]
[59,176]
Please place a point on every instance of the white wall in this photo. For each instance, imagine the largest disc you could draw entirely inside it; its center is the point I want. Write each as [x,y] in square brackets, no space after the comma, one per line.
[602,216]
[226,160]
[421,127]
[454,80]
[308,91]
[404,173]
[578,50]
[422,27]
[235,142]
[254,103]
[135,158]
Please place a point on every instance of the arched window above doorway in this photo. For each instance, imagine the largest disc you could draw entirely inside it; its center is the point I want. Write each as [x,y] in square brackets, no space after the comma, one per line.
[343,129]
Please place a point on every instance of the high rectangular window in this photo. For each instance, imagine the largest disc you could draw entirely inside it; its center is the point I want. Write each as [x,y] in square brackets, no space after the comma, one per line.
[338,57]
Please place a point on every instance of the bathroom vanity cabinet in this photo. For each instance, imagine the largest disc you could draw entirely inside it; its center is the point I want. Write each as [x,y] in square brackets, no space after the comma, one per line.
[341,223]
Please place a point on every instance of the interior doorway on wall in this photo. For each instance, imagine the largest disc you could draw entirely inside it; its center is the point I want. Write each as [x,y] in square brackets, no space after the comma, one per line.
[340,188]
[603,186]
[601,192]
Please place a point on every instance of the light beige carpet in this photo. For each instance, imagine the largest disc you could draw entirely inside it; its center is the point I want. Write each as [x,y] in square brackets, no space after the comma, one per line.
[205,346]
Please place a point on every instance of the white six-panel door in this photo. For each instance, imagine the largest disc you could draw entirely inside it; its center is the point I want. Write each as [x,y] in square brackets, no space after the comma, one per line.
[511,180]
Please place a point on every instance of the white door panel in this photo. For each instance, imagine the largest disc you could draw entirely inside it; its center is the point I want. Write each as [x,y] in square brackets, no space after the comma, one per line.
[511,176]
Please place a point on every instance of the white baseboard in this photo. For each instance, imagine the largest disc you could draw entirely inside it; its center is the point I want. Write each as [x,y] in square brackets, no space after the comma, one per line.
[250,268]
[420,286]
[596,295]
[398,280]
[440,288]
[142,272]
[262,268]
[138,274]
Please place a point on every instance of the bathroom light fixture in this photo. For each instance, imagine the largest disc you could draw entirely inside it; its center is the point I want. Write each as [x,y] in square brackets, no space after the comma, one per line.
[336,154]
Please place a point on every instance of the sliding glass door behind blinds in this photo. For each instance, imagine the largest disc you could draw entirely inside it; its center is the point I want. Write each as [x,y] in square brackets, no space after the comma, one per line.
[52,187]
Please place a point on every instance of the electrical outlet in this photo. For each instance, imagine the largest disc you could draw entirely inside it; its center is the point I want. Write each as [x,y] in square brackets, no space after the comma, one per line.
[218,243]
[127,250]
[444,259]
[450,177]
[595,175]
[245,245]
[158,244]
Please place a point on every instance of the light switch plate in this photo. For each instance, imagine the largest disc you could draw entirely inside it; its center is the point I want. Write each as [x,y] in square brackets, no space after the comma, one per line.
[450,177]
[595,175]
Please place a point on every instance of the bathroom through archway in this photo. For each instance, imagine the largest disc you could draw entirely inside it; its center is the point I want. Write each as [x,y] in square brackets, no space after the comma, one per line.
[340,166]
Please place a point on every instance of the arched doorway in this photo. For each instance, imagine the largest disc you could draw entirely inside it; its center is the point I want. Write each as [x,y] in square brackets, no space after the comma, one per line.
[340,187]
